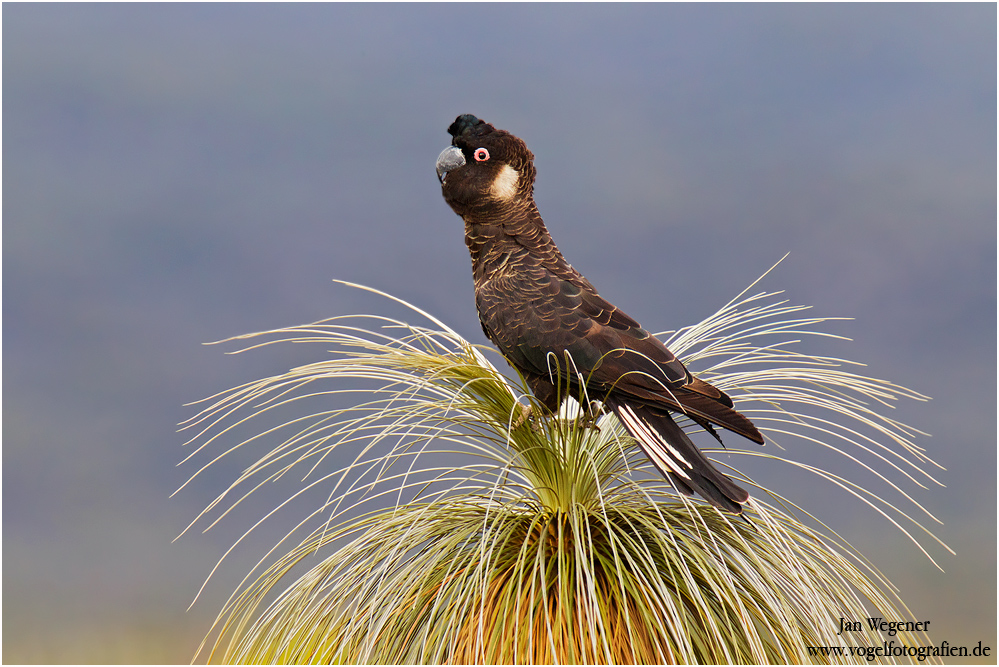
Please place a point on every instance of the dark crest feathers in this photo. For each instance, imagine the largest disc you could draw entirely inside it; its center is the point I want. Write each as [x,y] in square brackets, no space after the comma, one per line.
[464,124]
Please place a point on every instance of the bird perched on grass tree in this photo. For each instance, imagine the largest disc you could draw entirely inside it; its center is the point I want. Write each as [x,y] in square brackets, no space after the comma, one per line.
[550,323]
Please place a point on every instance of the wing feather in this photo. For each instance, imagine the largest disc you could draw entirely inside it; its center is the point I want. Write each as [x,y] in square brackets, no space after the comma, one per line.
[533,314]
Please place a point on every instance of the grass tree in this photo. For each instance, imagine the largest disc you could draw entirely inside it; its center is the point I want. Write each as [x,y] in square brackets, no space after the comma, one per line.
[450,536]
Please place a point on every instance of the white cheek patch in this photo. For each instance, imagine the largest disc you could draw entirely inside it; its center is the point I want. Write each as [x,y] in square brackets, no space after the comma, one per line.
[505,184]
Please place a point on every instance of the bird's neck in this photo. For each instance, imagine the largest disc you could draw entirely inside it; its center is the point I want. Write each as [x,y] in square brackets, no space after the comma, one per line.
[518,234]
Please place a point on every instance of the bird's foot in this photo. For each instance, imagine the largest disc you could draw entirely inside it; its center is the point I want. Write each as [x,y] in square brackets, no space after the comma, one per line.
[588,418]
[585,419]
[525,413]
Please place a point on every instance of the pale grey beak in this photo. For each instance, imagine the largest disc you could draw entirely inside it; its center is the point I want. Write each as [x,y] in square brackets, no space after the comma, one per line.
[450,159]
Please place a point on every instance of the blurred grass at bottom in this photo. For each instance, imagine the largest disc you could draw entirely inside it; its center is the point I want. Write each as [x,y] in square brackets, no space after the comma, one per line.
[127,639]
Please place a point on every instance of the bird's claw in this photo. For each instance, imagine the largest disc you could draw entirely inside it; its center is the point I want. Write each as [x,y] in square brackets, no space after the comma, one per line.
[525,413]
[588,418]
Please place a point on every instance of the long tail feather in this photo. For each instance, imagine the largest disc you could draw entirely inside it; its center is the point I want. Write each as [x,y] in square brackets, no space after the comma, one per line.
[676,456]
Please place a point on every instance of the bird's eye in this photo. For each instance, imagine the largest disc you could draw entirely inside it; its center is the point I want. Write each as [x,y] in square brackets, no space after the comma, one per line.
[481,155]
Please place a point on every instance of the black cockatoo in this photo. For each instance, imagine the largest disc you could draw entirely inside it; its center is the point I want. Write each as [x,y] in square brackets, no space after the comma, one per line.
[537,309]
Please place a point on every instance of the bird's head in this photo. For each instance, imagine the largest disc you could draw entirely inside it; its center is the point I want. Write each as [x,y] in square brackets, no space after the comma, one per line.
[484,169]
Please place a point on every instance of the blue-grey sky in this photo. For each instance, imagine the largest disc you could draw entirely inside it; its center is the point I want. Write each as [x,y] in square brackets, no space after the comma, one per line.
[176,174]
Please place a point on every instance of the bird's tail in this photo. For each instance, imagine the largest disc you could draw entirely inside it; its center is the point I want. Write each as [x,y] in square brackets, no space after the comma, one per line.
[676,456]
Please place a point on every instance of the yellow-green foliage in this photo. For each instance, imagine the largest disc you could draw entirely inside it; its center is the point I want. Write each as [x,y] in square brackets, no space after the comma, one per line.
[551,542]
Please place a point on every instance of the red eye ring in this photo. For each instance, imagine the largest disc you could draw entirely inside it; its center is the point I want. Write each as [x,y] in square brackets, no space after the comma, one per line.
[481,155]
